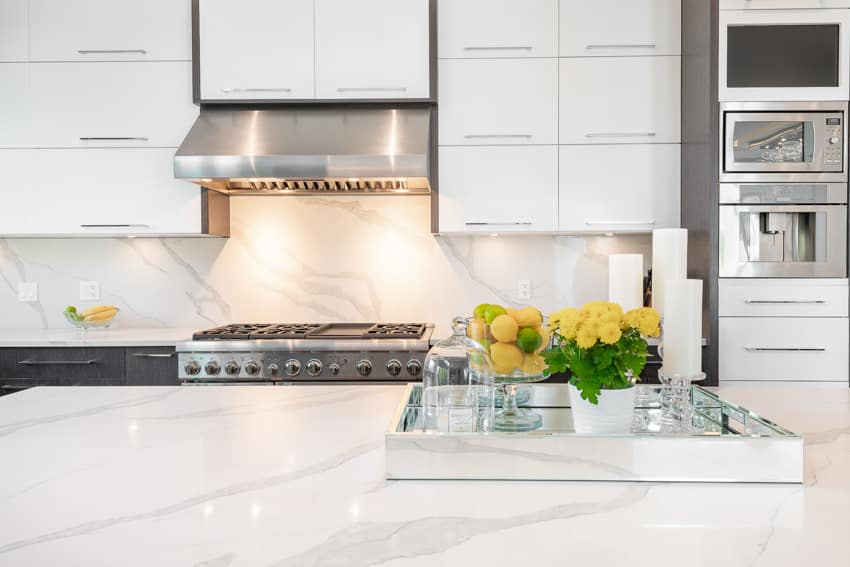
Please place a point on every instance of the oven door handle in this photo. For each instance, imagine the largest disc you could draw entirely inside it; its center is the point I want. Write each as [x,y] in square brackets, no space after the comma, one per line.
[784,301]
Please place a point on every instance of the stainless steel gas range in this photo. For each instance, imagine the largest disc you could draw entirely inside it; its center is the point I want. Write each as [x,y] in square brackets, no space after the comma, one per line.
[255,353]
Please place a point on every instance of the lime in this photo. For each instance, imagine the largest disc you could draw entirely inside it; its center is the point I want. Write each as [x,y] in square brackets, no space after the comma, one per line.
[478,312]
[529,340]
[70,309]
[493,311]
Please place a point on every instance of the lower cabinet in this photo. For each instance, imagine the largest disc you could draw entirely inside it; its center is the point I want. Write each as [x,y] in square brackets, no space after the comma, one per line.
[22,368]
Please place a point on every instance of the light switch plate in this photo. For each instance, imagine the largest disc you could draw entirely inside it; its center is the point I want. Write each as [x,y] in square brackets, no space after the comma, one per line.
[89,291]
[523,290]
[28,292]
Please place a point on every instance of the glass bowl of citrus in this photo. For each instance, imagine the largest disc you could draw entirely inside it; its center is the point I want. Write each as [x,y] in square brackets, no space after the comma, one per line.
[515,339]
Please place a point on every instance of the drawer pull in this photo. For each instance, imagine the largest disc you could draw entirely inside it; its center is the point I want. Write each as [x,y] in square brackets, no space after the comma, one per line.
[498,48]
[479,136]
[783,349]
[616,222]
[115,226]
[514,223]
[621,46]
[620,135]
[113,51]
[257,90]
[57,362]
[113,139]
[152,355]
[784,301]
[371,89]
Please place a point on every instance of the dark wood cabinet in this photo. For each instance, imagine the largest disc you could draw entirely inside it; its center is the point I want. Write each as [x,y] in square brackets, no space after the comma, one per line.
[151,366]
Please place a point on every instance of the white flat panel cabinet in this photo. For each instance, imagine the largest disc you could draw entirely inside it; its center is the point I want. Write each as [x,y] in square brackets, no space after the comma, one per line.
[15,105]
[765,297]
[95,193]
[14,31]
[775,349]
[139,104]
[498,101]
[619,188]
[110,30]
[781,4]
[608,100]
[257,49]
[620,27]
[498,189]
[372,49]
[498,28]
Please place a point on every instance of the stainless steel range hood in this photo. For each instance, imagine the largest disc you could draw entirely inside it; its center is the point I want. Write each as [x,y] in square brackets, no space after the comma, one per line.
[308,151]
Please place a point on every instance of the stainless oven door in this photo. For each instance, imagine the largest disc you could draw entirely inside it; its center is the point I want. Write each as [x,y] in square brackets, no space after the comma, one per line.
[783,241]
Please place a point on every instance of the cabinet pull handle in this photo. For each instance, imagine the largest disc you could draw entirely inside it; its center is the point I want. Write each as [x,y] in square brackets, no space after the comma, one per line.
[115,226]
[152,355]
[256,90]
[616,222]
[370,89]
[620,135]
[498,48]
[784,301]
[620,46]
[509,223]
[477,136]
[113,139]
[57,362]
[97,51]
[783,349]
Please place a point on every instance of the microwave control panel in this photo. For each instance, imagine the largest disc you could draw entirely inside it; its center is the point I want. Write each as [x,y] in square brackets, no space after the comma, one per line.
[834,137]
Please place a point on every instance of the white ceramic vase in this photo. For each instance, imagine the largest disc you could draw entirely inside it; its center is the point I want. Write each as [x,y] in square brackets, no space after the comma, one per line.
[613,414]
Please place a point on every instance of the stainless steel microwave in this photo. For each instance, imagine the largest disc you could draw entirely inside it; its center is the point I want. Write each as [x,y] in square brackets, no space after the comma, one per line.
[783,142]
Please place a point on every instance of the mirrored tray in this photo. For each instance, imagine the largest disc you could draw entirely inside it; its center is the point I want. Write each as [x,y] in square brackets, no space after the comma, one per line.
[730,444]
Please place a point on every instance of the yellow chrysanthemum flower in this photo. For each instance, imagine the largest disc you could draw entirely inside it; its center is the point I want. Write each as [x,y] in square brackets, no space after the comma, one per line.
[586,338]
[609,333]
[591,326]
[645,320]
[610,317]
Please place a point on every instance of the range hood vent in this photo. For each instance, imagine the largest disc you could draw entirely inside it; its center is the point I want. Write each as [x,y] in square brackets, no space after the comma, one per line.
[308,151]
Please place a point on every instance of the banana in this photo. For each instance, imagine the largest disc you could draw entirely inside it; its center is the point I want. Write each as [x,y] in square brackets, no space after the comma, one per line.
[92,311]
[101,317]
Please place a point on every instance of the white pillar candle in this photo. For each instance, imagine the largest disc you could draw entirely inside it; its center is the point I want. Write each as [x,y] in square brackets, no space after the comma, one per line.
[682,327]
[625,280]
[669,261]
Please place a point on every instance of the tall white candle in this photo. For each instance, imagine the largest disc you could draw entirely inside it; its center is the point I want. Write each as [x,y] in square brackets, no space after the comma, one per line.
[669,261]
[682,327]
[625,280]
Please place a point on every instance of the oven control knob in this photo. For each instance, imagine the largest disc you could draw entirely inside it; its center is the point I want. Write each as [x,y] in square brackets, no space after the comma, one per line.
[292,367]
[414,367]
[252,368]
[314,367]
[394,367]
[192,368]
[212,367]
[334,369]
[364,367]
[834,140]
[232,368]
[274,370]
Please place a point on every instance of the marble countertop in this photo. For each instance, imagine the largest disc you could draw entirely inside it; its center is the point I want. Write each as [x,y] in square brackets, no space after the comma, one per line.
[286,476]
[71,337]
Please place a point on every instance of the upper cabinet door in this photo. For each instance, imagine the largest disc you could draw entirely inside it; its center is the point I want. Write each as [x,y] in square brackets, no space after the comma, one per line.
[15,105]
[257,49]
[781,4]
[498,28]
[110,30]
[14,37]
[620,27]
[372,49]
[606,100]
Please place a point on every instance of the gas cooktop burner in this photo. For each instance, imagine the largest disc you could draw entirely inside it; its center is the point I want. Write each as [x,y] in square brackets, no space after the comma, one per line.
[254,331]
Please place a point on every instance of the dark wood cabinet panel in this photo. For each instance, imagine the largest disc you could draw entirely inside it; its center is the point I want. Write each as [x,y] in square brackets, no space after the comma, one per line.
[151,366]
[63,366]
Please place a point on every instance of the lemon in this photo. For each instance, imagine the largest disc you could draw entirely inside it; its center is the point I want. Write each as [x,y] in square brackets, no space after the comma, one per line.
[478,312]
[510,311]
[529,340]
[504,329]
[545,335]
[506,357]
[476,329]
[529,317]
[493,311]
[533,364]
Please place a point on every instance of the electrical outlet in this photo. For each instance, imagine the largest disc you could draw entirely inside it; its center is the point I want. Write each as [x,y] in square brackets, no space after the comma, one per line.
[28,292]
[523,290]
[89,291]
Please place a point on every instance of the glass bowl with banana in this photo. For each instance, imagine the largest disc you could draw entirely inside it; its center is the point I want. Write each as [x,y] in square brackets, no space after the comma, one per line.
[98,317]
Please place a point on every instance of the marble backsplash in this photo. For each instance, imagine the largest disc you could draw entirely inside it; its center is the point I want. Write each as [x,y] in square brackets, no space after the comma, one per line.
[306,259]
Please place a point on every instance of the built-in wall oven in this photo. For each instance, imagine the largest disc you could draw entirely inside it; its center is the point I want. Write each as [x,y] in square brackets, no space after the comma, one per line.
[781,55]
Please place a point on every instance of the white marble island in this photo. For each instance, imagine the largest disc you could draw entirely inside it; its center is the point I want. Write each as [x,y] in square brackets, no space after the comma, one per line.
[229,476]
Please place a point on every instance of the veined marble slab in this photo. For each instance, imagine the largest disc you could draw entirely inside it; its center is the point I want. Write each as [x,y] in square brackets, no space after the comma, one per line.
[280,476]
[93,337]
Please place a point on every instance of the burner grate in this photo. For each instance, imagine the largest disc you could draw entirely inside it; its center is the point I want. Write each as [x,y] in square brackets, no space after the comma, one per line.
[249,331]
[235,331]
[287,331]
[396,331]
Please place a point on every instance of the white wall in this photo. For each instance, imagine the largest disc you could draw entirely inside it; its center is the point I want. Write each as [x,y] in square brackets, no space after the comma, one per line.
[306,259]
